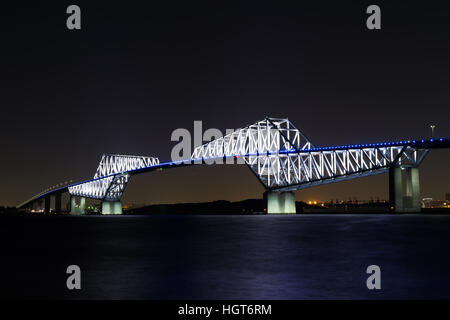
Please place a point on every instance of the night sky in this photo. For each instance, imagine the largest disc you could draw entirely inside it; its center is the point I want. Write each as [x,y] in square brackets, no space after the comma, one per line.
[137,71]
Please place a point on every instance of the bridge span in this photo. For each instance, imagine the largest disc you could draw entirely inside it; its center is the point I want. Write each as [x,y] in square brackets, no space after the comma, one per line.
[280,156]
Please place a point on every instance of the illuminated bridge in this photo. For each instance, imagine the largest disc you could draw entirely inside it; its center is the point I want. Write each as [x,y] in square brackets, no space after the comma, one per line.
[280,156]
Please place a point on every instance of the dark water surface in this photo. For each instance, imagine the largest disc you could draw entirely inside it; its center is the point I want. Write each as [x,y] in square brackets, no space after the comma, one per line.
[226,257]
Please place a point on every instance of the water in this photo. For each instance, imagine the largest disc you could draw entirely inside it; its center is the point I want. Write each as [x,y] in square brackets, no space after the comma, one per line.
[226,257]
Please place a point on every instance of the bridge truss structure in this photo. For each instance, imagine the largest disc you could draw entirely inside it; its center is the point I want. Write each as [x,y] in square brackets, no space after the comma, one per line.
[111,177]
[284,159]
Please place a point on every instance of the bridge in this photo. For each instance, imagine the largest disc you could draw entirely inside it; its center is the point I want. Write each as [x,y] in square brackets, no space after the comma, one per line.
[280,156]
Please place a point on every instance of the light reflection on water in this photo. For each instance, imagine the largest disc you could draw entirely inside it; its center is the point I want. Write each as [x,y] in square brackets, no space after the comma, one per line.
[228,257]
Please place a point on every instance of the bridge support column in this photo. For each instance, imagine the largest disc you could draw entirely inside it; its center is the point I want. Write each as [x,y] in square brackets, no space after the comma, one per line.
[106,207]
[47,204]
[39,206]
[410,202]
[395,189]
[73,206]
[82,205]
[412,199]
[33,206]
[117,207]
[280,202]
[111,207]
[58,203]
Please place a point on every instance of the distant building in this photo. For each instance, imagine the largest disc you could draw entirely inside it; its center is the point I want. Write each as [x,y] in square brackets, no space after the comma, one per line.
[430,203]
[447,196]
[427,202]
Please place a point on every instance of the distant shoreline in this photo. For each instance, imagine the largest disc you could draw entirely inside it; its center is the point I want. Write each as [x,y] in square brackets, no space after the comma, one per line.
[256,207]
[244,207]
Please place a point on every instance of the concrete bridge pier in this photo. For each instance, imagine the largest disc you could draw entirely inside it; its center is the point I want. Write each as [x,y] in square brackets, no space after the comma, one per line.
[408,201]
[77,210]
[280,202]
[47,204]
[35,206]
[58,202]
[412,199]
[40,205]
[111,207]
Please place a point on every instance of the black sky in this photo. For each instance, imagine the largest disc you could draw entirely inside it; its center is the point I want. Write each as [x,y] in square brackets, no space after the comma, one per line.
[137,71]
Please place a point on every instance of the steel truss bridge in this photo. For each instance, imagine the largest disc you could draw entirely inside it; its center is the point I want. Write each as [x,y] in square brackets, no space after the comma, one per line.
[281,157]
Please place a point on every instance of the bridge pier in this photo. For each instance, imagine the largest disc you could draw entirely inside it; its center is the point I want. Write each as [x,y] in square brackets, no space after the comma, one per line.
[395,189]
[47,204]
[58,203]
[410,201]
[73,206]
[111,207]
[39,205]
[36,206]
[280,202]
